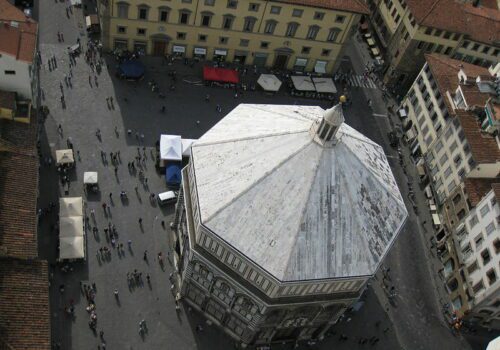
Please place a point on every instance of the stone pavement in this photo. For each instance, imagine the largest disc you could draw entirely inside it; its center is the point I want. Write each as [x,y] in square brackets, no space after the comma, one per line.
[136,107]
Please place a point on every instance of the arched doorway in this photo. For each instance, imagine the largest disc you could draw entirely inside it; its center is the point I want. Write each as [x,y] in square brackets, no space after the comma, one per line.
[160,44]
[281,57]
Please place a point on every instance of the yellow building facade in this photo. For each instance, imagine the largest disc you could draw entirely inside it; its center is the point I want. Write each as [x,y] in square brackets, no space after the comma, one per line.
[263,33]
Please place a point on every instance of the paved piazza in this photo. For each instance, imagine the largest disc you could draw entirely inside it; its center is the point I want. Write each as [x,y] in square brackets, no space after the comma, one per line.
[412,321]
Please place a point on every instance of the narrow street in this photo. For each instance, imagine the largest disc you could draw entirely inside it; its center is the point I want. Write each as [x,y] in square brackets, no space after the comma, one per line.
[413,322]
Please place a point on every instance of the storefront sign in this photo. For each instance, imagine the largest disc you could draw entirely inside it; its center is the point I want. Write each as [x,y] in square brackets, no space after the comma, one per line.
[200,51]
[180,49]
[221,52]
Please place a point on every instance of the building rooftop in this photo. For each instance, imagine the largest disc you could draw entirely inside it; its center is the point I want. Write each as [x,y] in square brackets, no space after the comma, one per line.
[483,146]
[17,33]
[477,188]
[7,100]
[298,209]
[24,306]
[356,6]
[445,71]
[480,23]
[18,194]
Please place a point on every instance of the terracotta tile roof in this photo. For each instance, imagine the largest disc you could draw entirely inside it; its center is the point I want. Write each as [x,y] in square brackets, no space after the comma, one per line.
[477,188]
[9,12]
[480,23]
[445,72]
[483,146]
[18,189]
[24,306]
[19,42]
[356,6]
[496,189]
[7,99]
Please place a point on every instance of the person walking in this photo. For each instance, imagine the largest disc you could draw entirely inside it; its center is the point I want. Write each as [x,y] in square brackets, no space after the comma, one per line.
[140,221]
[145,256]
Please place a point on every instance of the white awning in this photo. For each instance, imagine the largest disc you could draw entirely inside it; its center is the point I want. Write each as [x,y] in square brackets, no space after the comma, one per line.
[269,82]
[324,85]
[200,51]
[186,146]
[64,156]
[402,113]
[71,232]
[71,226]
[220,52]
[72,247]
[435,219]
[90,177]
[303,83]
[494,344]
[320,67]
[70,206]
[180,49]
[170,147]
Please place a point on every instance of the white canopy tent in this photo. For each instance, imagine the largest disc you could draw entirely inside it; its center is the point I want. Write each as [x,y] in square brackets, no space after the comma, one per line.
[325,85]
[269,82]
[70,206]
[186,146]
[64,156]
[90,177]
[71,247]
[303,83]
[71,228]
[170,147]
[494,344]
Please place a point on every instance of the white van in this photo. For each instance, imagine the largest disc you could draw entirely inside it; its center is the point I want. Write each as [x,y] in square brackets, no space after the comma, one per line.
[167,197]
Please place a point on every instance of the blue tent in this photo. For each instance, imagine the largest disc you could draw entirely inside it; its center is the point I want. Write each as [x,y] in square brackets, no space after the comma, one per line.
[173,174]
[131,70]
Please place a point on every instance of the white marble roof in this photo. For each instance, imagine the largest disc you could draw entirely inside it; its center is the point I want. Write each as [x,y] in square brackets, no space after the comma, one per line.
[299,210]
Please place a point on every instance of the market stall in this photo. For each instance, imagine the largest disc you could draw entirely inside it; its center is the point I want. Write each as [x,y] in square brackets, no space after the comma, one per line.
[65,157]
[90,181]
[131,70]
[220,75]
[269,82]
[71,228]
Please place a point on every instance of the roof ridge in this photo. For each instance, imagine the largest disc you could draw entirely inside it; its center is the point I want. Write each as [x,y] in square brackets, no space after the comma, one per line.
[304,208]
[210,143]
[252,184]
[430,10]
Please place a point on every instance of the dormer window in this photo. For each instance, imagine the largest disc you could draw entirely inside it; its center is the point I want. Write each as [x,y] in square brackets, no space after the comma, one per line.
[458,99]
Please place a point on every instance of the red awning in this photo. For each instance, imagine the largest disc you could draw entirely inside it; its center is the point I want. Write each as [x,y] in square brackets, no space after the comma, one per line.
[220,74]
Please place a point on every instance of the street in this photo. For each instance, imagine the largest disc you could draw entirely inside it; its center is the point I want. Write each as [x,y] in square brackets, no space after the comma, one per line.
[413,320]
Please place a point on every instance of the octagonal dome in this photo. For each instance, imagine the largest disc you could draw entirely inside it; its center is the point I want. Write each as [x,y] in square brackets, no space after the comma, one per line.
[299,210]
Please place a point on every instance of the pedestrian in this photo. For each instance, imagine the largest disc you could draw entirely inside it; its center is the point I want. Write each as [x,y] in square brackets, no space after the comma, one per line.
[145,257]
[146,180]
[111,196]
[90,80]
[116,170]
[104,206]
[95,80]
[129,243]
[59,129]
[140,221]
